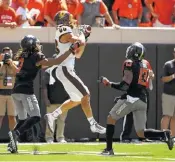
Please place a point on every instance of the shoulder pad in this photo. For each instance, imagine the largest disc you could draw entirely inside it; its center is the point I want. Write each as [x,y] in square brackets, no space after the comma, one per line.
[128,64]
[62,30]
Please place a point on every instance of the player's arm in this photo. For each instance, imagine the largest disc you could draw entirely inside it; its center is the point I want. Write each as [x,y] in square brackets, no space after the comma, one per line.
[75,39]
[42,61]
[123,85]
[126,81]
[53,61]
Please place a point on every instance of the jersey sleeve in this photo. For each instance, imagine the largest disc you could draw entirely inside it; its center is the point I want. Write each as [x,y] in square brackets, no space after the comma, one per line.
[61,30]
[127,65]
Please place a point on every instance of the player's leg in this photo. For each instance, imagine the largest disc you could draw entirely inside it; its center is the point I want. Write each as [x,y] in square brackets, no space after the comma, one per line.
[120,109]
[78,93]
[60,128]
[140,118]
[127,127]
[22,116]
[11,112]
[51,117]
[86,106]
[48,133]
[30,103]
[172,126]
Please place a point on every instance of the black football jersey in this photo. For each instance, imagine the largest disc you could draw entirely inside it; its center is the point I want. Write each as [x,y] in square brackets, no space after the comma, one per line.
[27,73]
[140,70]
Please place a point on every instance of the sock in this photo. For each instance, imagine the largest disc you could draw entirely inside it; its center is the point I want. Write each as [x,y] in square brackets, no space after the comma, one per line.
[27,124]
[18,125]
[91,120]
[152,133]
[109,136]
[57,112]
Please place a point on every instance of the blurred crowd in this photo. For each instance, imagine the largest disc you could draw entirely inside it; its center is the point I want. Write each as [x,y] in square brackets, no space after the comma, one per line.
[98,13]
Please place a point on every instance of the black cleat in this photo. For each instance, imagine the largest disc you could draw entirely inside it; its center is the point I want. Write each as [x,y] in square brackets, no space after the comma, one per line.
[9,148]
[168,139]
[12,146]
[108,152]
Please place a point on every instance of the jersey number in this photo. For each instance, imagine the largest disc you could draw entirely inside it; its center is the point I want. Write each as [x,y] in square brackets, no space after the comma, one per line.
[143,76]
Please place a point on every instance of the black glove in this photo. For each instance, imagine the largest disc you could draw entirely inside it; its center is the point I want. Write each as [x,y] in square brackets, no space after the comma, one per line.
[74,47]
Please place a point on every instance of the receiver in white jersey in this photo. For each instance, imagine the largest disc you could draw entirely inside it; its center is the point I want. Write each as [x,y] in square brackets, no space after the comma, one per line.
[65,71]
[63,47]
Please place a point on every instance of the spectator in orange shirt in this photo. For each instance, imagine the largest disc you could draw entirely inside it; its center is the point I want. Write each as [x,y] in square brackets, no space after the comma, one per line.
[72,6]
[7,15]
[39,5]
[162,12]
[129,11]
[89,10]
[51,8]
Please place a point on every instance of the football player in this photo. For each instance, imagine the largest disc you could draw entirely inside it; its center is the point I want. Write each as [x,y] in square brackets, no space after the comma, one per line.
[136,72]
[31,59]
[74,86]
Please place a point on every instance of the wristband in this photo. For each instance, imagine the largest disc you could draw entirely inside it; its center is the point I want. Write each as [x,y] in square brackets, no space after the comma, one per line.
[173,76]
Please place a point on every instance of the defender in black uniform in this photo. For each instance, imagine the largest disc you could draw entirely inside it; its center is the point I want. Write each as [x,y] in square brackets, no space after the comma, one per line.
[135,75]
[31,59]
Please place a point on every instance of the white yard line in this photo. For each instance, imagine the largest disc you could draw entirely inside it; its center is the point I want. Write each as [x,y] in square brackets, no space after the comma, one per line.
[85,143]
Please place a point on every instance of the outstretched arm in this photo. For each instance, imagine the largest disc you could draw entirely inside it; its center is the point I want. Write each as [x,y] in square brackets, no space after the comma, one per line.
[60,59]
[123,85]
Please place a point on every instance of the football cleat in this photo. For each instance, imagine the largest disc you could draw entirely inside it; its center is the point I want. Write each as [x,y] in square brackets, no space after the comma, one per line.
[96,128]
[50,121]
[12,146]
[168,139]
[107,152]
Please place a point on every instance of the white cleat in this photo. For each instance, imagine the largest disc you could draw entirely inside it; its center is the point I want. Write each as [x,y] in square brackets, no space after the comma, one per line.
[96,128]
[50,121]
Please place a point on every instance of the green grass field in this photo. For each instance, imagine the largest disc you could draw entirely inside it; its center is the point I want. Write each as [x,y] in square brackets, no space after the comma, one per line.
[89,152]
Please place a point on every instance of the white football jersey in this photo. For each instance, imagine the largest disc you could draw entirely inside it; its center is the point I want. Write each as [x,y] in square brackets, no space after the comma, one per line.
[63,47]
